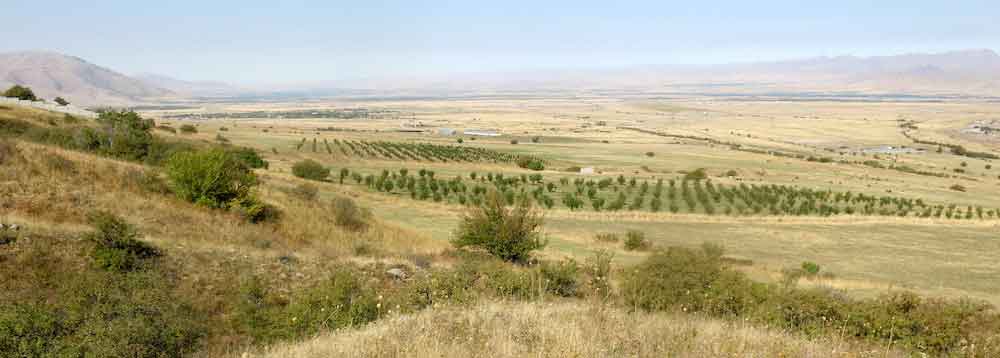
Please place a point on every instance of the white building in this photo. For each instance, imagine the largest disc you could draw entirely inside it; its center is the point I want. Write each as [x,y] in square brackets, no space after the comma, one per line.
[482,132]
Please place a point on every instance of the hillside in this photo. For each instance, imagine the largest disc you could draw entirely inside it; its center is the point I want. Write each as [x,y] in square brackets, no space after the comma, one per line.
[81,82]
[560,329]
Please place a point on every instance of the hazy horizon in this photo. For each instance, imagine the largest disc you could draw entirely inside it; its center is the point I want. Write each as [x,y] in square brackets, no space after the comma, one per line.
[247,43]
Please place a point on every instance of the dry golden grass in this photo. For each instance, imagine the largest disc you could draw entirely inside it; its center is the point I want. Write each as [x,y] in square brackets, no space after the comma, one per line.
[563,330]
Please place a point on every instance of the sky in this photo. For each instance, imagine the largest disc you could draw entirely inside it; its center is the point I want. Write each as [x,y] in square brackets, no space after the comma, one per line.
[254,42]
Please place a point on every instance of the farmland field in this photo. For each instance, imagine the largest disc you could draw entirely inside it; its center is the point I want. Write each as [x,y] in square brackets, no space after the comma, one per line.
[775,182]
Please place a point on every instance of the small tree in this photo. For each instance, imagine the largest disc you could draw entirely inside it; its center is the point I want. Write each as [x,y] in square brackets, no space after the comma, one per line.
[126,134]
[21,93]
[509,234]
[212,178]
[310,169]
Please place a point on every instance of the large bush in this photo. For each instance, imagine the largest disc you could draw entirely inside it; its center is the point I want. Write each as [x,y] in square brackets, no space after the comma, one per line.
[310,169]
[212,178]
[509,234]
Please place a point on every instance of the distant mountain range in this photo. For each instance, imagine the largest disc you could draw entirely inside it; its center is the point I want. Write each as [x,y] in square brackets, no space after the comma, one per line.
[190,88]
[969,72]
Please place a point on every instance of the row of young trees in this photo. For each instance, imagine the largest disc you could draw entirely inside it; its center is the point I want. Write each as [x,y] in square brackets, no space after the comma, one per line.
[411,151]
[690,194]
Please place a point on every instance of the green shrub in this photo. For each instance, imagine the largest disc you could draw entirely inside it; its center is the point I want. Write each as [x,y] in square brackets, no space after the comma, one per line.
[812,311]
[166,128]
[340,301]
[212,178]
[636,241]
[677,277]
[560,278]
[598,270]
[347,214]
[124,135]
[509,234]
[305,191]
[697,174]
[146,181]
[607,237]
[697,281]
[249,157]
[310,169]
[530,163]
[8,237]
[20,92]
[116,244]
[810,268]
[8,151]
[188,129]
[252,209]
[102,315]
[59,163]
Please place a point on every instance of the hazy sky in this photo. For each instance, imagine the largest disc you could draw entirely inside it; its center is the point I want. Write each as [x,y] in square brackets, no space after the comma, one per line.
[286,41]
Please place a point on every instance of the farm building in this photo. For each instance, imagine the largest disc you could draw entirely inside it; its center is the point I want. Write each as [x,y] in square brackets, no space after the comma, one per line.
[587,171]
[446,131]
[888,149]
[482,132]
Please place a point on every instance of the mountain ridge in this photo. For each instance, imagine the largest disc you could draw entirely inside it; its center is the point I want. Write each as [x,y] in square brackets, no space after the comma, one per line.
[52,75]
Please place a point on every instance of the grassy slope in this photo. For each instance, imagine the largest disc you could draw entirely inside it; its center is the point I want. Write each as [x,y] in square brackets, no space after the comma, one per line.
[50,191]
[563,330]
